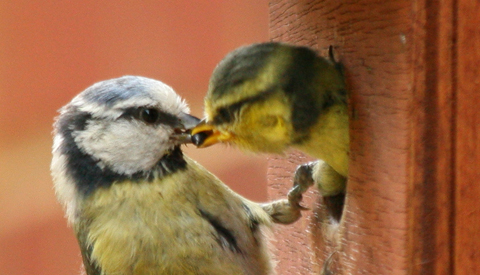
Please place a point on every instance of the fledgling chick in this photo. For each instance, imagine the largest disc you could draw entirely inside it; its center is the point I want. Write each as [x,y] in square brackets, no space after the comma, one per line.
[136,203]
[269,97]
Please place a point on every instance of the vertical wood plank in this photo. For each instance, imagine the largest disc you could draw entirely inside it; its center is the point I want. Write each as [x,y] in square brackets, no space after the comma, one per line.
[373,40]
[467,158]
[431,182]
[401,215]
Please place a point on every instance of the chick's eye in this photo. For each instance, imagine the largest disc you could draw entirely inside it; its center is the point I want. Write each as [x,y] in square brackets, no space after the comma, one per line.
[149,115]
[223,116]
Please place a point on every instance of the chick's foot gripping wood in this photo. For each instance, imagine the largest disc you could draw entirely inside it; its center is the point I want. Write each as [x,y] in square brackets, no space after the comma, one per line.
[302,181]
[289,211]
[328,181]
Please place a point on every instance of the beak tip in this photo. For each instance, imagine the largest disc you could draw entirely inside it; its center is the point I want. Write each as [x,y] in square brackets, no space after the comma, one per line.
[198,139]
[188,121]
[205,135]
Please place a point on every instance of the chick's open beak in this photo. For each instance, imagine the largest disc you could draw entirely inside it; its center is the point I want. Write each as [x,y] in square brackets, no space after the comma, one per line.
[204,135]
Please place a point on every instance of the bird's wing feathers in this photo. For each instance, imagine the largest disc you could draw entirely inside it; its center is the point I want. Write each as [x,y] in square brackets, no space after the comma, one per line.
[90,267]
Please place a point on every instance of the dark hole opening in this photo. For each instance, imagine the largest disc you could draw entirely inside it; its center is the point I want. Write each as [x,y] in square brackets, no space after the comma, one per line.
[334,206]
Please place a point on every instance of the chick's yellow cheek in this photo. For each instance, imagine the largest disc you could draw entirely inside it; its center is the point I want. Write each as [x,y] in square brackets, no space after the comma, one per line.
[262,133]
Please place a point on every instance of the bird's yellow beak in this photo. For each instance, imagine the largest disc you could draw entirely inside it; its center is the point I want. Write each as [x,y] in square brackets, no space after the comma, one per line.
[205,134]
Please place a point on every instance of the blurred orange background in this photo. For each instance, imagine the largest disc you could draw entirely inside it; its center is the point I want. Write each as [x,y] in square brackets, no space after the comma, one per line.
[52,50]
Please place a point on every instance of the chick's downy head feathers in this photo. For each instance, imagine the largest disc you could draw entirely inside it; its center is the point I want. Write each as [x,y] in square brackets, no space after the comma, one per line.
[266,97]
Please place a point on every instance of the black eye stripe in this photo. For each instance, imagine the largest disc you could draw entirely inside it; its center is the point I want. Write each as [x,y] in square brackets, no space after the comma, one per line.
[228,113]
[139,113]
[224,115]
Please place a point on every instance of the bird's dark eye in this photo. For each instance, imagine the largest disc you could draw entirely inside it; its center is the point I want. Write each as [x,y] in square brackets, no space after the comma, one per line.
[149,115]
[223,116]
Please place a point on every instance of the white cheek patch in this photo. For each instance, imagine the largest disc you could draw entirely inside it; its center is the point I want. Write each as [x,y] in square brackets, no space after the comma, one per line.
[125,146]
[64,186]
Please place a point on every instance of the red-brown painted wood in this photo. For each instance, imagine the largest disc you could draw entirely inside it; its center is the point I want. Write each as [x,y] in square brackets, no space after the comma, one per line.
[467,137]
[412,202]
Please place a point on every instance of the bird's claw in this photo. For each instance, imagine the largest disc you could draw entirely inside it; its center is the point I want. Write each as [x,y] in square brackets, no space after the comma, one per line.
[295,197]
[301,182]
[288,210]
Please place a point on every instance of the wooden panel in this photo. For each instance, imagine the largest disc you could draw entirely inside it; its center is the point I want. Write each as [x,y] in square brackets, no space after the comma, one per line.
[430,240]
[400,211]
[467,158]
[373,41]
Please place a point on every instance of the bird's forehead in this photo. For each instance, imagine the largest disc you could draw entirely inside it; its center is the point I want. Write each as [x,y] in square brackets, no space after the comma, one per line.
[247,74]
[113,96]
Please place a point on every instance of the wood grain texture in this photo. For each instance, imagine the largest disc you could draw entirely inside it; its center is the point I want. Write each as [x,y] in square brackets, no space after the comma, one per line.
[372,40]
[412,203]
[467,157]
[430,243]
[287,239]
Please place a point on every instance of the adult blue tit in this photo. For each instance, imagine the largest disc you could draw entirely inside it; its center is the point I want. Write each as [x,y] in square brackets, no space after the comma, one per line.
[269,97]
[136,203]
